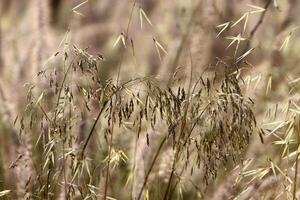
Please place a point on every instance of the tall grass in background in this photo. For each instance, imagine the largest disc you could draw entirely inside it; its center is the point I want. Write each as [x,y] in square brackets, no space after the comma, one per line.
[198,104]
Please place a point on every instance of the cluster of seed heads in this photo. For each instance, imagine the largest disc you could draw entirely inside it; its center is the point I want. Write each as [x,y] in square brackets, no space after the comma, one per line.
[212,117]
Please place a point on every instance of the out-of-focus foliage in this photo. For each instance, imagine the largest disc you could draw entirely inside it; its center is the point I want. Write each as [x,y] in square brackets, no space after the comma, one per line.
[149,99]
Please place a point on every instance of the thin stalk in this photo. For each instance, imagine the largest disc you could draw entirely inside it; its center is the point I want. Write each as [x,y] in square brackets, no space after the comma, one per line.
[108,164]
[93,128]
[184,39]
[173,189]
[261,19]
[183,126]
[151,167]
[64,170]
[117,95]
[126,38]
[296,166]
[100,113]
[255,28]
[296,174]
[134,163]
[62,85]
[170,180]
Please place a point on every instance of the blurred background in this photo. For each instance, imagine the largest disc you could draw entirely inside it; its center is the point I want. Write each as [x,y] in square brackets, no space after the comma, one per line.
[160,38]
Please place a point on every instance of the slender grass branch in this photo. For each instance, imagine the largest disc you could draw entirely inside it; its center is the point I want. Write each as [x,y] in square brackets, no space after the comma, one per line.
[151,167]
[297,163]
[93,128]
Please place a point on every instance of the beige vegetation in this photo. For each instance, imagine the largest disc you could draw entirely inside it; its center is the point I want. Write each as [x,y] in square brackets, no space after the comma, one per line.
[149,99]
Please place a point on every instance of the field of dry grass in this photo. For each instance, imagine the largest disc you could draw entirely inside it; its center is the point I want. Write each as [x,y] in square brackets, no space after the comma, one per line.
[149,99]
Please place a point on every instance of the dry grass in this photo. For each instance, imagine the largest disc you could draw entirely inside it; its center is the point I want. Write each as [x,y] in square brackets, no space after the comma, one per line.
[149,100]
